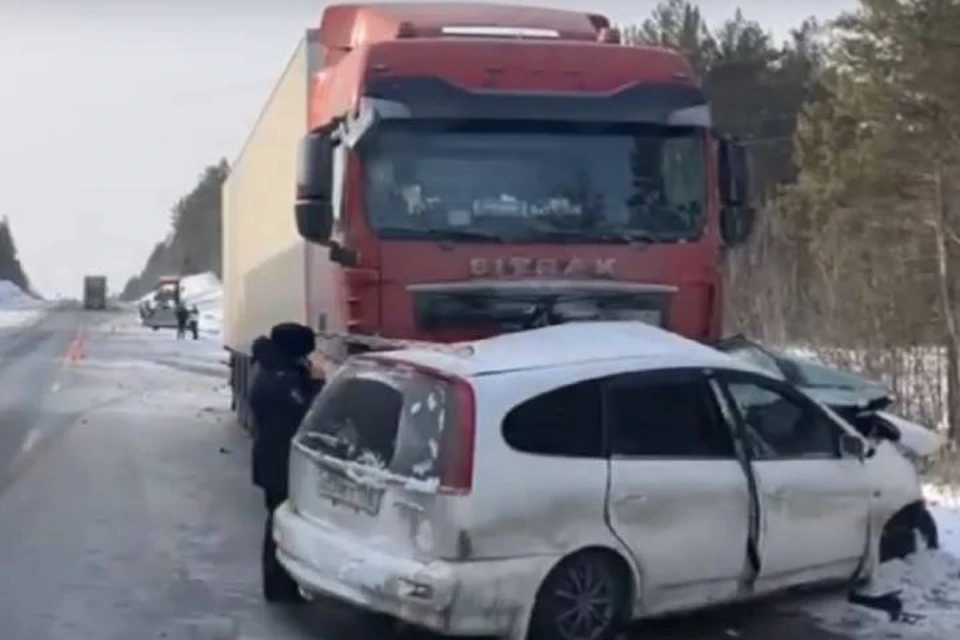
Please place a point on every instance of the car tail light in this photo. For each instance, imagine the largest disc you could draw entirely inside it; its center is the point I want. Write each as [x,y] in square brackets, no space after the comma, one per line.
[457,448]
[458,444]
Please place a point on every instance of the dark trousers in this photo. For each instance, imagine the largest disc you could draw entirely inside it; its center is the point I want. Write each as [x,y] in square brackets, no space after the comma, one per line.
[277,583]
[181,328]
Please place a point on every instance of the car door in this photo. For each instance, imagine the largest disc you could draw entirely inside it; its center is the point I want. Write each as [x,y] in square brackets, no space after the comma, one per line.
[678,496]
[814,501]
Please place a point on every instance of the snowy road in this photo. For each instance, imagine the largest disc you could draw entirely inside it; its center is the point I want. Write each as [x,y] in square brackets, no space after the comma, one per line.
[125,506]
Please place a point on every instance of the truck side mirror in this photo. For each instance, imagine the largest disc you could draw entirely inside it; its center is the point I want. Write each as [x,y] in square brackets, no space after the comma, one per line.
[737,214]
[314,204]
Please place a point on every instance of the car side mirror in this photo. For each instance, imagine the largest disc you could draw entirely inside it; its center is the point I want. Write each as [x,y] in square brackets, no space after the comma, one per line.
[852,446]
[737,214]
[314,203]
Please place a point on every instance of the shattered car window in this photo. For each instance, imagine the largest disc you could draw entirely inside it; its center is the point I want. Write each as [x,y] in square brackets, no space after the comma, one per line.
[780,427]
[385,417]
[815,375]
[758,357]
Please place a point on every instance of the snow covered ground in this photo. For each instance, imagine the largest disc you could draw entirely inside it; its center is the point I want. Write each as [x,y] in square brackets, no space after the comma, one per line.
[928,582]
[205,356]
[945,503]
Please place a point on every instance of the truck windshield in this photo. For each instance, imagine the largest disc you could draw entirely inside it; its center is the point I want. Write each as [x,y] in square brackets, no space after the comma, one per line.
[535,182]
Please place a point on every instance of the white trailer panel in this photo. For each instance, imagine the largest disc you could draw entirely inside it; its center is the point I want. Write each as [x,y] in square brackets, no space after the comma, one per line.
[264,258]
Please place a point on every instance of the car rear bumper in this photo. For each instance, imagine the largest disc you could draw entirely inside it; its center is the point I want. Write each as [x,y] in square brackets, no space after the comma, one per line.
[488,598]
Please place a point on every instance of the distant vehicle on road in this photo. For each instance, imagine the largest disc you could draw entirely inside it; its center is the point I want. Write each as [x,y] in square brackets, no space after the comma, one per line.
[658,475]
[95,292]
[159,311]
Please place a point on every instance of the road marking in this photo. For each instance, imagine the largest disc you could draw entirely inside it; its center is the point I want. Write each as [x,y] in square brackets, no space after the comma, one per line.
[29,444]
[77,349]
[33,437]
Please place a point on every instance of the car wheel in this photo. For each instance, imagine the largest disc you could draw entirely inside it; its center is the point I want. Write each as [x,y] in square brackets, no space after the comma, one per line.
[585,597]
[910,530]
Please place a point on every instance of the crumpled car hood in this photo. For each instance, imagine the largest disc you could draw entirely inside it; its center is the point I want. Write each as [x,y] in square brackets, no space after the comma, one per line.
[920,440]
[844,392]
[835,397]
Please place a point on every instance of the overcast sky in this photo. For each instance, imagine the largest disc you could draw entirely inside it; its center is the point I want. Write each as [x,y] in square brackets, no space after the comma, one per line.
[112,108]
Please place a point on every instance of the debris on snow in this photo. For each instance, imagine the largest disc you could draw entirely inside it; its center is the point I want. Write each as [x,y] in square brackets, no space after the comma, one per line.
[890,603]
[929,588]
[927,584]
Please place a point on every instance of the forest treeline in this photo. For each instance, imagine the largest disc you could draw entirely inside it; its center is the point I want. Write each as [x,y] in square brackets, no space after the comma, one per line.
[193,243]
[854,130]
[10,267]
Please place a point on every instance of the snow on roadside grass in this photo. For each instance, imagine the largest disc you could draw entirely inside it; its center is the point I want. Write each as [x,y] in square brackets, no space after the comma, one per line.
[18,308]
[929,586]
[928,582]
[944,504]
[19,317]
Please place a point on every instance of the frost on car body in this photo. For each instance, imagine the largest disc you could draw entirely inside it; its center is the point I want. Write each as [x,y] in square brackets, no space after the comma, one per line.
[456,490]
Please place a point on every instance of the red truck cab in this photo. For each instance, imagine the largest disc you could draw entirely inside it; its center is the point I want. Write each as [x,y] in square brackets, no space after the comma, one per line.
[473,169]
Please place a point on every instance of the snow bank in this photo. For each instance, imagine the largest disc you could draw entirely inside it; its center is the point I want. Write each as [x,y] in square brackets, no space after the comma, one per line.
[929,585]
[203,288]
[944,503]
[928,582]
[18,308]
[13,298]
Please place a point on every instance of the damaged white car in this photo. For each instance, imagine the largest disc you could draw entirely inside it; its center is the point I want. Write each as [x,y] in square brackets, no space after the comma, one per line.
[560,482]
[863,404]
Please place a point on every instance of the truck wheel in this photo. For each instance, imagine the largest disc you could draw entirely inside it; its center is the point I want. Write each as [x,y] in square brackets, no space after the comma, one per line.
[910,530]
[585,597]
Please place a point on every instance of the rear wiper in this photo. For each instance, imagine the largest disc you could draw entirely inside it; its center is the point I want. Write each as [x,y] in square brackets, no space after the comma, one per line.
[443,234]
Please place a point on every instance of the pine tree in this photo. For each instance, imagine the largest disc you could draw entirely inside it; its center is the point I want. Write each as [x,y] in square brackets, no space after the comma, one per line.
[194,243]
[10,268]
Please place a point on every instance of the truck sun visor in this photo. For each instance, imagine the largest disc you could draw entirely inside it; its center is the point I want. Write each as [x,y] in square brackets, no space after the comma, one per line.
[432,98]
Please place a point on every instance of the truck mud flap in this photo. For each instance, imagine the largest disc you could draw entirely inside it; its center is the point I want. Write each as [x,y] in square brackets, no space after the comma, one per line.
[240,365]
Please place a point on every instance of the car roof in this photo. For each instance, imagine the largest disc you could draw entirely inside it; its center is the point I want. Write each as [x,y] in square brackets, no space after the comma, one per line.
[572,343]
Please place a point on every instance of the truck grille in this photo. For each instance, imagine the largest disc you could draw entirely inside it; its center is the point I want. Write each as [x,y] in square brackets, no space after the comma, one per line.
[510,305]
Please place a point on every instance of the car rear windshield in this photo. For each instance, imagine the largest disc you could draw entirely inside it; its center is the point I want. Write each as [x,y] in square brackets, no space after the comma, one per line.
[384,416]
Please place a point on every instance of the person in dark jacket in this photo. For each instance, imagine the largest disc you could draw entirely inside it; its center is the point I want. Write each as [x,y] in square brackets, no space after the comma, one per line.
[193,321]
[281,390]
[182,314]
[260,348]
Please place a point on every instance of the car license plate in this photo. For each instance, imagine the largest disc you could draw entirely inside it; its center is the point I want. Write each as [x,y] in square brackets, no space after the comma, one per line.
[342,490]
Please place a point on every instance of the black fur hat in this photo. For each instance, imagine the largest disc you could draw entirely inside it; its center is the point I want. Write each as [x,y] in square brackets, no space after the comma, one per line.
[259,347]
[293,339]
